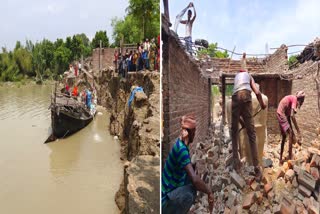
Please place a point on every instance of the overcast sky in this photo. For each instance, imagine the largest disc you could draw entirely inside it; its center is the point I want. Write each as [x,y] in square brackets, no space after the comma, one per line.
[52,19]
[250,24]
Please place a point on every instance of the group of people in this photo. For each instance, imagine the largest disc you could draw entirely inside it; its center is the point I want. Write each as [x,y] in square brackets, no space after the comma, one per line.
[75,69]
[179,180]
[86,96]
[146,56]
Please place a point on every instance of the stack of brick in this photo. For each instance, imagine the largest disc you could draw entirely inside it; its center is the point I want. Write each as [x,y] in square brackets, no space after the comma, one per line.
[293,187]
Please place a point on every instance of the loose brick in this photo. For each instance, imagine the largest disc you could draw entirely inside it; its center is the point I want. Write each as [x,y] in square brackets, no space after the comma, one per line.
[248,200]
[304,191]
[259,197]
[280,173]
[315,161]
[267,188]
[306,180]
[237,180]
[289,175]
[270,195]
[287,206]
[255,186]
[315,173]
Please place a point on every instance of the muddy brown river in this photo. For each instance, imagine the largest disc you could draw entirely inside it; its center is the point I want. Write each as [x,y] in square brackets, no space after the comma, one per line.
[79,174]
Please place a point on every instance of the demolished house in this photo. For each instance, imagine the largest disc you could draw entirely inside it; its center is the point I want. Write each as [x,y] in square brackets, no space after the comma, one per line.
[187,81]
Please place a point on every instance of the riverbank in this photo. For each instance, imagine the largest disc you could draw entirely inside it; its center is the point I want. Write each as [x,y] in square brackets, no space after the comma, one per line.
[137,127]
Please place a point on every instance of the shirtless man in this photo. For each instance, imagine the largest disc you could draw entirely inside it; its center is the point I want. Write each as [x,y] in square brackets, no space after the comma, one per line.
[189,23]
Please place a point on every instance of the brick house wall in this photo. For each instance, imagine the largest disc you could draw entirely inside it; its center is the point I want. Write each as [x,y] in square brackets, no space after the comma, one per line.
[185,91]
[308,117]
[107,57]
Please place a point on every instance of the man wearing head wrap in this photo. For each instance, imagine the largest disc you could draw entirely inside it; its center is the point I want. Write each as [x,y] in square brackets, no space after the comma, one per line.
[242,107]
[287,108]
[180,183]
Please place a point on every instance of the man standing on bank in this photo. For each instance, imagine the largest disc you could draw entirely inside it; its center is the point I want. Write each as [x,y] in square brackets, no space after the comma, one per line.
[287,108]
[179,180]
[189,23]
[242,106]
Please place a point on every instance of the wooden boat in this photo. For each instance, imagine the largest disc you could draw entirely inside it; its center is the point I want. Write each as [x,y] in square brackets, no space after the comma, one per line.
[68,116]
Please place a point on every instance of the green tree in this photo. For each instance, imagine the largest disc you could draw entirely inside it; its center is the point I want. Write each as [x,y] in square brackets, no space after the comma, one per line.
[292,60]
[147,14]
[23,59]
[62,59]
[213,52]
[100,35]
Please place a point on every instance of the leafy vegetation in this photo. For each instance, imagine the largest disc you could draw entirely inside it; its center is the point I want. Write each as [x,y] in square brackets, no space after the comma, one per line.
[292,60]
[46,59]
[142,21]
[213,52]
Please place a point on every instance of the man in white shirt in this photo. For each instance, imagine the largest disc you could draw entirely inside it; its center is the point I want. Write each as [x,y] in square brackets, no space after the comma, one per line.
[189,23]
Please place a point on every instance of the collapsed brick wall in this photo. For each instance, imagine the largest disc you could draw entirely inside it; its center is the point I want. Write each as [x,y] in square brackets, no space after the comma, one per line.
[308,117]
[107,56]
[185,90]
[278,61]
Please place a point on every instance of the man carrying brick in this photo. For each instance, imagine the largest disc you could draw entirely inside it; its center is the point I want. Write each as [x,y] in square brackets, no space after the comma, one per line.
[287,108]
[242,106]
[179,180]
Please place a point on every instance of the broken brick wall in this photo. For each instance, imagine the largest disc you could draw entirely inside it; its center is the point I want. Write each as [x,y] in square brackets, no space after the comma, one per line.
[107,57]
[185,91]
[308,117]
[278,61]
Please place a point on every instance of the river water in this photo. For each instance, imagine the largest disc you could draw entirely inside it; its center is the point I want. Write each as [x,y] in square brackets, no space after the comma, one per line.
[79,174]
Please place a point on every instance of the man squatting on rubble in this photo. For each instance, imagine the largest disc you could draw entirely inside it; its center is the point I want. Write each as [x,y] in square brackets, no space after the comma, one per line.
[180,183]
[285,113]
[189,23]
[242,106]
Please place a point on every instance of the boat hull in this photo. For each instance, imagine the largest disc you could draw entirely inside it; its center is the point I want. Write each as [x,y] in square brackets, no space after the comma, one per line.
[65,124]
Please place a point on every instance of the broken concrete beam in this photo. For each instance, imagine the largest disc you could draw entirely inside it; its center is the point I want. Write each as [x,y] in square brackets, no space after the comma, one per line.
[287,206]
[248,200]
[237,180]
[304,191]
[306,180]
[289,175]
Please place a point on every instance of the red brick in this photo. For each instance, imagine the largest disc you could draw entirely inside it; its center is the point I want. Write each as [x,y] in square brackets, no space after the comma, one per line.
[267,188]
[254,186]
[315,161]
[289,175]
[315,173]
[287,206]
[248,200]
[280,173]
